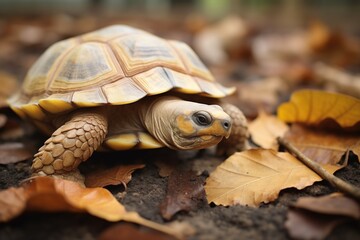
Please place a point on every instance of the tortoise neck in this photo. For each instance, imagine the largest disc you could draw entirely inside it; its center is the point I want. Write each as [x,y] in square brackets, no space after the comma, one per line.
[155,116]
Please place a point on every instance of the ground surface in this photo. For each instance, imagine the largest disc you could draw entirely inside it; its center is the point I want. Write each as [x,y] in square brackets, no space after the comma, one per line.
[147,190]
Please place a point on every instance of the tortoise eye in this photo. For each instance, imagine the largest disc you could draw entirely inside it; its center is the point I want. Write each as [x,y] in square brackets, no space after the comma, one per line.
[202,118]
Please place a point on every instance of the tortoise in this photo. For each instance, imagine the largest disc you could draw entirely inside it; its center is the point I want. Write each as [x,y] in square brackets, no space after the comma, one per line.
[123,88]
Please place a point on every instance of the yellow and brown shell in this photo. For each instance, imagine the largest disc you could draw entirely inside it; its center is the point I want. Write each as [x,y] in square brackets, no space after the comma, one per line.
[114,65]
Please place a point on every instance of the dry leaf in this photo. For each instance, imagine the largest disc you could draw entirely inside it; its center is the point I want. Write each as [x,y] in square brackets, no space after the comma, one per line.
[322,146]
[313,107]
[11,203]
[316,217]
[226,39]
[255,176]
[49,194]
[260,94]
[333,47]
[9,85]
[112,176]
[3,120]
[185,190]
[13,153]
[333,204]
[13,130]
[125,231]
[305,225]
[333,78]
[265,129]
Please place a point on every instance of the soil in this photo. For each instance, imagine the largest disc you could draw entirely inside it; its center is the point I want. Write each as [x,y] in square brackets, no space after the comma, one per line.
[147,190]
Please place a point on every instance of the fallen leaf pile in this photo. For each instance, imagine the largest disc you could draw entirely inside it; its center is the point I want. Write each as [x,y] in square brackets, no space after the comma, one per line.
[54,195]
[315,218]
[13,153]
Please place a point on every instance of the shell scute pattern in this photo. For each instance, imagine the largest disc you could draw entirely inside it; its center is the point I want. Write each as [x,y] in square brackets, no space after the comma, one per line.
[114,65]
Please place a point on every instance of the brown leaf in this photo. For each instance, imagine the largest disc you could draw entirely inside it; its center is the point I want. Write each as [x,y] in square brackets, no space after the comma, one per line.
[13,153]
[125,231]
[322,146]
[13,130]
[49,194]
[301,224]
[11,203]
[333,204]
[316,217]
[265,129]
[260,94]
[184,192]
[312,107]
[112,176]
[244,177]
[9,85]
[3,120]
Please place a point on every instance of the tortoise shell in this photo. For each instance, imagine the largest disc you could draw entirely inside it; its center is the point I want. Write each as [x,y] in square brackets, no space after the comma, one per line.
[112,66]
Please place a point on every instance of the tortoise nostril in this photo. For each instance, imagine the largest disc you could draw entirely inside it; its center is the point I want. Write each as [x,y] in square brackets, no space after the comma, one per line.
[226,124]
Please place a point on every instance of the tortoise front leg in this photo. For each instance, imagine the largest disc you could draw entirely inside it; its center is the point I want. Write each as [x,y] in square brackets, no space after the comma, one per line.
[71,144]
[239,132]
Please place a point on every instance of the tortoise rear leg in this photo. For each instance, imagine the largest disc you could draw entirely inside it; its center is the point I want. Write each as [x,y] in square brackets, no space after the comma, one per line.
[239,132]
[71,144]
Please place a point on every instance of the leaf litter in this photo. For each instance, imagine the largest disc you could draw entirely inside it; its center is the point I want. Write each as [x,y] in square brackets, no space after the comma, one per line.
[48,194]
[325,45]
[316,217]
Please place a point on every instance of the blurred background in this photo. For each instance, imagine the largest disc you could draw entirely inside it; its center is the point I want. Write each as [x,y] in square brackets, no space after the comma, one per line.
[267,48]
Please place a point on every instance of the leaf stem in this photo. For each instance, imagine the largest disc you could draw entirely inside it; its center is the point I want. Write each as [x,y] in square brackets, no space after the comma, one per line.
[341,185]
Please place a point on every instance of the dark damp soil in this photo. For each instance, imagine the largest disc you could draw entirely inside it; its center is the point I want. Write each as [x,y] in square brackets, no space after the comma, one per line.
[147,190]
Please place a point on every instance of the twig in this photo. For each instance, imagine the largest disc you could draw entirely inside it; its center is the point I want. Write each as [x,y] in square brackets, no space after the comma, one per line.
[343,186]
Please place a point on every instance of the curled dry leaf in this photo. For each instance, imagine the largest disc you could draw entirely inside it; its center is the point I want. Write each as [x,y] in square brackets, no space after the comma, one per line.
[322,146]
[13,153]
[313,107]
[49,194]
[185,190]
[316,217]
[244,177]
[265,129]
[113,176]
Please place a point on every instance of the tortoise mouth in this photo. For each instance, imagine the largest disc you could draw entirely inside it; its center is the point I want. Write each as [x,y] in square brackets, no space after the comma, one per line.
[198,142]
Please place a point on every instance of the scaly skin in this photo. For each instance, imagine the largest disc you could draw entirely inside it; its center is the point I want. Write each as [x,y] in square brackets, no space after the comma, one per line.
[239,132]
[71,144]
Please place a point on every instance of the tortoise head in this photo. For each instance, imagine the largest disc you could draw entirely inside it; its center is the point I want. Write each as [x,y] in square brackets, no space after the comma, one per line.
[181,124]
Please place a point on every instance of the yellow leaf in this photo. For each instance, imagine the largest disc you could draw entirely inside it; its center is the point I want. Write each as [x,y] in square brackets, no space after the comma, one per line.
[265,129]
[255,176]
[49,194]
[312,107]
